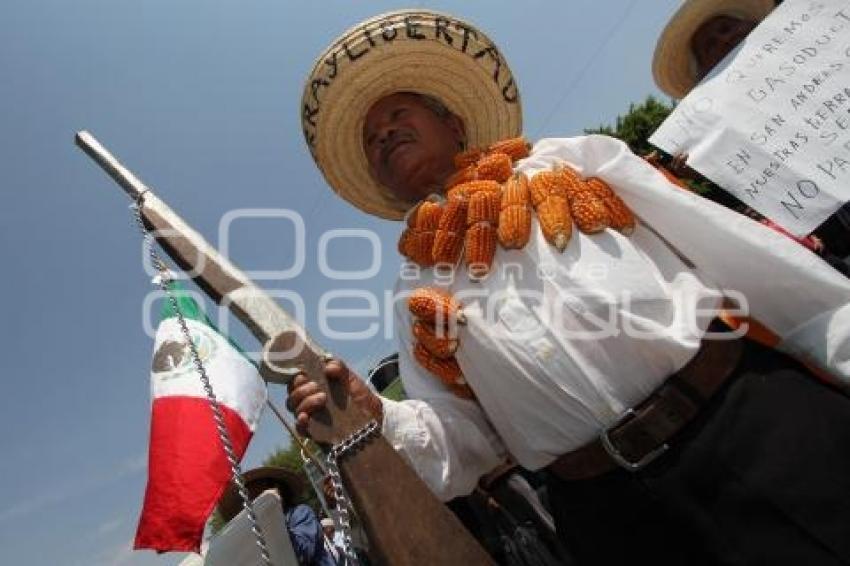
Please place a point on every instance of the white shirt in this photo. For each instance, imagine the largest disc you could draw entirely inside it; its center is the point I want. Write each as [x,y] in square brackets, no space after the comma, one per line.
[558,345]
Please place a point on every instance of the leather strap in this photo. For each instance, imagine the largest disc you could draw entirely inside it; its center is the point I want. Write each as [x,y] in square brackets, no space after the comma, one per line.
[655,421]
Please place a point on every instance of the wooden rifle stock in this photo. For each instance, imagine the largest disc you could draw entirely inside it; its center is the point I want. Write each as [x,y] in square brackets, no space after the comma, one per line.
[405,523]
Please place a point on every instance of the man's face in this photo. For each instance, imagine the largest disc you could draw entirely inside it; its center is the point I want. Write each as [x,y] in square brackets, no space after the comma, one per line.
[410,147]
[714,39]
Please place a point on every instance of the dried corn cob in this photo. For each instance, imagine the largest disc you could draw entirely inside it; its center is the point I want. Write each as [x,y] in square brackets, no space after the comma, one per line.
[405,242]
[515,216]
[480,248]
[435,305]
[448,241]
[555,221]
[515,148]
[420,248]
[621,217]
[469,157]
[589,212]
[484,207]
[465,190]
[547,183]
[495,167]
[439,344]
[428,215]
[599,187]
[420,243]
[447,248]
[446,369]
[461,176]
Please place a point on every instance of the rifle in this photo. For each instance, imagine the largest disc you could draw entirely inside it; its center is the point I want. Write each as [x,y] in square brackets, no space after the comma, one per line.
[405,523]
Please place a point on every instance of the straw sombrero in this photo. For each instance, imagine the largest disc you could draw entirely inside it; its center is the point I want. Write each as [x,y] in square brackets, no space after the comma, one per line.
[289,483]
[673,64]
[404,51]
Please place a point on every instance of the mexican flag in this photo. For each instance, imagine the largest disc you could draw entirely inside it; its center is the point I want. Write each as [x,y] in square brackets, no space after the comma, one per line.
[187,467]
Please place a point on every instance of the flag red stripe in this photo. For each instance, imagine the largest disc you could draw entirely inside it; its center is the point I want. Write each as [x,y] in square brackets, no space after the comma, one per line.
[187,471]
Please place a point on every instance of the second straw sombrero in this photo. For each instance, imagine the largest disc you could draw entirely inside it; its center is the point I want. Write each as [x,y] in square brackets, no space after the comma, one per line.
[403,51]
[673,64]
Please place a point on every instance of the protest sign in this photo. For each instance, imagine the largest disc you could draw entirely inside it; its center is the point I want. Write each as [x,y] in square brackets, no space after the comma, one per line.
[771,123]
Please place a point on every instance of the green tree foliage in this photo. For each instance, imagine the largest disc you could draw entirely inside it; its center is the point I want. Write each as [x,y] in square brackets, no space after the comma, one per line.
[638,124]
[636,127]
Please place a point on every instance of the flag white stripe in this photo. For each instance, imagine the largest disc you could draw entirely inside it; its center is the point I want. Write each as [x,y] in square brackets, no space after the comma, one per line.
[234,379]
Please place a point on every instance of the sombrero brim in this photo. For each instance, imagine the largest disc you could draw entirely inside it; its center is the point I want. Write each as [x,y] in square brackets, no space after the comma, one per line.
[428,53]
[230,503]
[673,64]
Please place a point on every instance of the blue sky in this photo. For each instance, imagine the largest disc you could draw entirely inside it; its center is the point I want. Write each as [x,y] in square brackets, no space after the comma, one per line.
[200,98]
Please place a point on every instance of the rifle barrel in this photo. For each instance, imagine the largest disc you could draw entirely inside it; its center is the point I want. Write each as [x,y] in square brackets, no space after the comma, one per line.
[109,163]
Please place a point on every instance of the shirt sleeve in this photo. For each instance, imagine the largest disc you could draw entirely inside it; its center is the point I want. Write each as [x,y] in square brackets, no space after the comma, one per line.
[446,439]
[304,532]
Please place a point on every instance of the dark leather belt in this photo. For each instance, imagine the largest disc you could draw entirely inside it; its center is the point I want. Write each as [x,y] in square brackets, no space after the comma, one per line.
[642,433]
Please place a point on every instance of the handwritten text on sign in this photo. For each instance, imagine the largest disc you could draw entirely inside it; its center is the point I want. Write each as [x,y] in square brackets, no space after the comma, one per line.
[771,124]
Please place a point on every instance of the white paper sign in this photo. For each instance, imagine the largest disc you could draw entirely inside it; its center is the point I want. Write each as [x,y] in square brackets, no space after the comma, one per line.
[771,124]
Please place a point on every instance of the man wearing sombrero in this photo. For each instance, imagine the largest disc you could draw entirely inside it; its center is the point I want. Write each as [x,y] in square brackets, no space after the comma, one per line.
[302,525]
[584,352]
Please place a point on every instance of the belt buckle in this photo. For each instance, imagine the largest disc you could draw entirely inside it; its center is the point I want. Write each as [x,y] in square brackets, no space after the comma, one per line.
[618,457]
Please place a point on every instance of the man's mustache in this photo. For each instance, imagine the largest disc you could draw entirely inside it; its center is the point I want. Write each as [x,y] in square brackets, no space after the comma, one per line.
[394,140]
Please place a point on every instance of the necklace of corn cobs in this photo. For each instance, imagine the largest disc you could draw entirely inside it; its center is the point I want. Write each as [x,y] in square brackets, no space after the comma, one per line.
[486,205]
[436,316]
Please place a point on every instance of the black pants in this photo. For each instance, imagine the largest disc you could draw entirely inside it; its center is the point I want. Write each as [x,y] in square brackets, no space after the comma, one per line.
[762,476]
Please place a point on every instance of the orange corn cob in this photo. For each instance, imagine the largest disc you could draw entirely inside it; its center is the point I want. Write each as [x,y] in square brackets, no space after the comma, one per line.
[465,190]
[484,207]
[545,184]
[428,215]
[495,167]
[446,369]
[515,148]
[469,157]
[420,248]
[480,248]
[515,216]
[425,220]
[621,217]
[447,247]
[461,176]
[405,242]
[440,345]
[599,187]
[435,305]
[589,212]
[448,241]
[555,221]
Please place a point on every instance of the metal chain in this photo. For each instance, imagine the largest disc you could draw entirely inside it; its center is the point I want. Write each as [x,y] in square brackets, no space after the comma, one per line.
[235,469]
[336,452]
